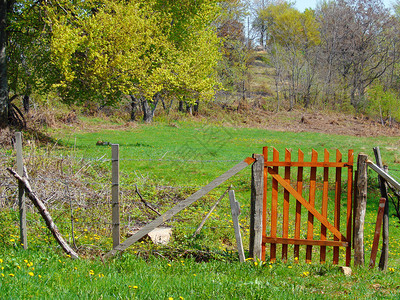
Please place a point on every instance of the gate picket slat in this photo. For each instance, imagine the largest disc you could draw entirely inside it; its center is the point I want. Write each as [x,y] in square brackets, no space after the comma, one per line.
[310,223]
[286,196]
[274,206]
[338,192]
[264,214]
[324,207]
[298,205]
[349,204]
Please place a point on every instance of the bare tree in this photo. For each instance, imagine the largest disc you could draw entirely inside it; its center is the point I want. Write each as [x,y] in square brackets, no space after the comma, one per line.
[357,43]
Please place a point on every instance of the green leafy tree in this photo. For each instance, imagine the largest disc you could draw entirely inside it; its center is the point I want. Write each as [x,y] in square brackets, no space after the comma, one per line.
[140,48]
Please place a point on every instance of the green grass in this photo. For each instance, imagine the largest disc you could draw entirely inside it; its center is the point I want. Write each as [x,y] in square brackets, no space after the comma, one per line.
[192,154]
[46,275]
[184,156]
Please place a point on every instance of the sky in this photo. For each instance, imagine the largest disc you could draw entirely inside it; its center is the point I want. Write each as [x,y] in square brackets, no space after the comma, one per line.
[301,5]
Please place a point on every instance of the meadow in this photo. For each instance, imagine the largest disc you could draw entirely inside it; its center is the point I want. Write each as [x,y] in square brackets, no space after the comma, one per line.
[168,161]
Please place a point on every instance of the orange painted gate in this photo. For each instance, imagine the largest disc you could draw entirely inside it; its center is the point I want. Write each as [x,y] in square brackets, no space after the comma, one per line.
[323,204]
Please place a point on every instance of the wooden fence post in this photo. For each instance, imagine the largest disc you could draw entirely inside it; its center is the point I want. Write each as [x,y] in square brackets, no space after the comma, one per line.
[235,211]
[256,208]
[115,195]
[361,205]
[383,262]
[21,198]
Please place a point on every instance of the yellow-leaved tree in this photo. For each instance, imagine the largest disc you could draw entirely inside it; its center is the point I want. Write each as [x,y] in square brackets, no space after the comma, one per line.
[146,49]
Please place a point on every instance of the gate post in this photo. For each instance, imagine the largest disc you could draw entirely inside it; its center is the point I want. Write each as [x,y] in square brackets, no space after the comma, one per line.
[360,208]
[256,207]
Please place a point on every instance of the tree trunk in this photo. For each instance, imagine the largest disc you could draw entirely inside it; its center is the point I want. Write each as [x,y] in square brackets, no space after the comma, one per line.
[147,115]
[134,107]
[180,107]
[3,65]
[26,103]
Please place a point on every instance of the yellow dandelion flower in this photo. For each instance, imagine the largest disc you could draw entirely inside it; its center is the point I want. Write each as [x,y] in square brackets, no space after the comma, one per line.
[91,272]
[180,297]
[170,298]
[2,275]
[12,240]
[25,261]
[18,267]
[40,276]
[256,263]
[31,274]
[1,260]
[12,275]
[135,287]
[169,265]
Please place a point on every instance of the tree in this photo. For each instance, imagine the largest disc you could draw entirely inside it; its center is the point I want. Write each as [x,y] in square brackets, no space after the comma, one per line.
[358,43]
[290,39]
[5,8]
[139,48]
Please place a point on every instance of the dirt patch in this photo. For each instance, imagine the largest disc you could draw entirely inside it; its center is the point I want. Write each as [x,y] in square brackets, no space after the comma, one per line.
[331,123]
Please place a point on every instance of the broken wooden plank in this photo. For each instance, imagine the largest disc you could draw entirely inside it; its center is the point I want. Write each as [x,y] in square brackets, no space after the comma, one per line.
[377,234]
[385,175]
[44,213]
[179,207]
[235,211]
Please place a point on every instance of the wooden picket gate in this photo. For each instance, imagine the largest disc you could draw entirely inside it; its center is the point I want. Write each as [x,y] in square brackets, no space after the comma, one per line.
[293,190]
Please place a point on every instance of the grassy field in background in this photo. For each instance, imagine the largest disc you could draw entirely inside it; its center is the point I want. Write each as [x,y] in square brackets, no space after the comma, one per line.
[185,155]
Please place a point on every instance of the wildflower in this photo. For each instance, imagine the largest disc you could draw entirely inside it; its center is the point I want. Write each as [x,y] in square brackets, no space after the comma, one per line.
[75,268]
[255,263]
[289,267]
[169,265]
[12,275]
[91,272]
[25,261]
[170,298]
[135,287]
[181,298]
[1,260]
[391,269]
[194,275]
[31,274]
[12,240]
[2,275]
[40,276]
[305,274]
[18,267]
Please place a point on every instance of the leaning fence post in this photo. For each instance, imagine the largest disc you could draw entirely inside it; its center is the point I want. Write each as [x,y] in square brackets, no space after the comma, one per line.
[21,198]
[235,211]
[361,205]
[383,262]
[115,194]
[256,208]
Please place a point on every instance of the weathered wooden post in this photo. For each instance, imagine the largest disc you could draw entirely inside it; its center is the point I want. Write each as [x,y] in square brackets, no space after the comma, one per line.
[256,208]
[21,198]
[235,211]
[115,194]
[383,262]
[360,208]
